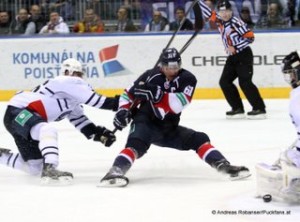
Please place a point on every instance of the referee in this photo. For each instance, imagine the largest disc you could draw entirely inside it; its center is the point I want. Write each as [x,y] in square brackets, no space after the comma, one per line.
[236,38]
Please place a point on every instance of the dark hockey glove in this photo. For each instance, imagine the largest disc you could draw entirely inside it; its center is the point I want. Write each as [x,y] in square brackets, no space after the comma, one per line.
[116,104]
[149,92]
[122,118]
[104,136]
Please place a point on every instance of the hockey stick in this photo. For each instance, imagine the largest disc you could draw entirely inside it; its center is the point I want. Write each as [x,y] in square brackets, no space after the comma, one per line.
[198,26]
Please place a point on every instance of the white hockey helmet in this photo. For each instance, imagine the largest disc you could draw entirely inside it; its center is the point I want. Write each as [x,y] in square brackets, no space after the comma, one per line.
[73,66]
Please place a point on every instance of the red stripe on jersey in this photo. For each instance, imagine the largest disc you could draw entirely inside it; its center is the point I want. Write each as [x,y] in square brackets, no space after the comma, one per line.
[189,98]
[131,97]
[38,107]
[164,103]
[126,106]
[204,149]
[129,153]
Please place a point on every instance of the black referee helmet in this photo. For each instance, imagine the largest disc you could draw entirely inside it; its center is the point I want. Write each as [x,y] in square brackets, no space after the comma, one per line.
[223,5]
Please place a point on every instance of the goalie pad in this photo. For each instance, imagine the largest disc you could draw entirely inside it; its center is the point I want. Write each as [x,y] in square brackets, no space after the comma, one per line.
[283,183]
[269,180]
[291,182]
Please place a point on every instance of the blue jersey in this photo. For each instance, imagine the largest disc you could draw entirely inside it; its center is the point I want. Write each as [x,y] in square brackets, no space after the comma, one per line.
[177,94]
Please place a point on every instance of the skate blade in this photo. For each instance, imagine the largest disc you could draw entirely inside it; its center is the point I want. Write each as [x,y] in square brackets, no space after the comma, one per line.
[61,181]
[115,182]
[257,117]
[240,176]
[237,116]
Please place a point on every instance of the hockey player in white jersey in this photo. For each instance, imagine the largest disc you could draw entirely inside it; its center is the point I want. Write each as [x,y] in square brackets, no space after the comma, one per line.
[282,179]
[28,116]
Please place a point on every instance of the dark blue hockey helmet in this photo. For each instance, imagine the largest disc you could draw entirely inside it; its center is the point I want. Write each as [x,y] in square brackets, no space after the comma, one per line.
[291,68]
[171,58]
[223,5]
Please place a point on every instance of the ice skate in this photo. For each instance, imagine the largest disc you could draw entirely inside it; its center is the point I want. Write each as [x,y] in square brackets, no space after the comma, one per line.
[257,114]
[235,114]
[234,172]
[4,151]
[52,176]
[114,178]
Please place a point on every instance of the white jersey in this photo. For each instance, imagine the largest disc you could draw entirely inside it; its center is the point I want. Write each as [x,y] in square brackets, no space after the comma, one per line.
[294,107]
[59,98]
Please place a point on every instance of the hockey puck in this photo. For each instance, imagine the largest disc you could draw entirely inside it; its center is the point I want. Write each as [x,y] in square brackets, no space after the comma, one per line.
[267,198]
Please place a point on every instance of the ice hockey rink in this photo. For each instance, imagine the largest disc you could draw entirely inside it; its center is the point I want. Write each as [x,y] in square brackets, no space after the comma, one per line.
[165,185]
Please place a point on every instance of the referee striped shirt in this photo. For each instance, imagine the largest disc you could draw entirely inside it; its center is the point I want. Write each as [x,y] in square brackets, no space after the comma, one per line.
[234,32]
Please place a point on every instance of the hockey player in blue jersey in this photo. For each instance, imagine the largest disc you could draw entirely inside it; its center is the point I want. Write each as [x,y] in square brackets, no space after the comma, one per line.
[163,92]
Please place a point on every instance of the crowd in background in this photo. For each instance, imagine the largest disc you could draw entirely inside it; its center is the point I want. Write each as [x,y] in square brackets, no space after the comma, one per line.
[28,17]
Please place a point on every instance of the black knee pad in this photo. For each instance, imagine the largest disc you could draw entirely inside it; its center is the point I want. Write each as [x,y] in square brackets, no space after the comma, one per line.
[139,147]
[29,149]
[14,125]
[196,140]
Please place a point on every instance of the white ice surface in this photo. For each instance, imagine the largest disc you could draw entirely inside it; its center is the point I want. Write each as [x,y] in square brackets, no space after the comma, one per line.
[166,185]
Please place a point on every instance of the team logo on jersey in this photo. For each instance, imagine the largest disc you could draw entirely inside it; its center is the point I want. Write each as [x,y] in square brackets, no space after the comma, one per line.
[110,65]
[167,85]
[23,117]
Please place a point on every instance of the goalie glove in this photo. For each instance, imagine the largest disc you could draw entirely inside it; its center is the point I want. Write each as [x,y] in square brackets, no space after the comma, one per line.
[99,134]
[149,92]
[122,118]
[104,136]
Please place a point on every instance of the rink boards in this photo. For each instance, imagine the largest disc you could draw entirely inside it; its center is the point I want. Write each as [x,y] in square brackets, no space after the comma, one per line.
[113,62]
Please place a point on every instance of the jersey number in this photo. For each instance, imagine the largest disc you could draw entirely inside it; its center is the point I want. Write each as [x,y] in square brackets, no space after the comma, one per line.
[188,90]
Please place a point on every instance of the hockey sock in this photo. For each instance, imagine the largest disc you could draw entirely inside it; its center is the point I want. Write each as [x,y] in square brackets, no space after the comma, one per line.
[15,161]
[209,153]
[48,144]
[125,159]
